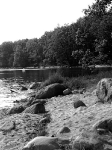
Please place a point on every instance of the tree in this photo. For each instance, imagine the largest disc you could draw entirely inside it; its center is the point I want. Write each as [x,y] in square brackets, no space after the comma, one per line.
[35,52]
[20,55]
[99,8]
[6,54]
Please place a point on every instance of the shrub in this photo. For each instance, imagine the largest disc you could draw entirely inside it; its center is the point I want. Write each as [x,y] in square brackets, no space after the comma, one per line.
[76,83]
[54,78]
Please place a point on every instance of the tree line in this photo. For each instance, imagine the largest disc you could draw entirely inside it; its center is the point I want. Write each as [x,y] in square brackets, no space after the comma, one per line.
[86,42]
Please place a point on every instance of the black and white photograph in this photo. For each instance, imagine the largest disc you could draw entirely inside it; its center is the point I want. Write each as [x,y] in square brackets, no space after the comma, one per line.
[55,74]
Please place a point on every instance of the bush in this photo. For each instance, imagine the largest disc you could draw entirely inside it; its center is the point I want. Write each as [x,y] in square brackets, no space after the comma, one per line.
[54,78]
[76,83]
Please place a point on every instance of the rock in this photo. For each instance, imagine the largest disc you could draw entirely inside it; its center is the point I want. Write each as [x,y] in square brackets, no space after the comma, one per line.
[109,124]
[64,130]
[104,90]
[23,88]
[7,126]
[85,145]
[81,91]
[45,120]
[78,103]
[77,145]
[38,101]
[45,143]
[103,126]
[88,141]
[67,92]
[35,85]
[33,100]
[16,110]
[35,109]
[50,91]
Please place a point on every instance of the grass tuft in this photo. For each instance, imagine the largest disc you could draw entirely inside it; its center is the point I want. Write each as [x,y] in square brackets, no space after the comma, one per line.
[54,78]
[76,83]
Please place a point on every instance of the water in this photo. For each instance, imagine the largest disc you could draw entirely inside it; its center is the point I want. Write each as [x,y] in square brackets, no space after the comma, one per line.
[25,75]
[12,80]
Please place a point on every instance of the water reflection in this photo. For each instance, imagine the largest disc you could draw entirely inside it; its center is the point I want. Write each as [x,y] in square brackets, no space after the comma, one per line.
[27,75]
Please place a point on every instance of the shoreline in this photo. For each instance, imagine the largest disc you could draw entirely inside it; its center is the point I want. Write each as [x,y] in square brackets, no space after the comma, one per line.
[54,67]
[20,128]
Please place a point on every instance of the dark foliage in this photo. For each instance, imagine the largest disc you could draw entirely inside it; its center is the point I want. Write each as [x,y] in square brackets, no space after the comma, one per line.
[86,42]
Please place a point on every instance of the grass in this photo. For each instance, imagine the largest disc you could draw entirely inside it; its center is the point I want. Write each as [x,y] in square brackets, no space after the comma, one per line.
[76,83]
[54,78]
[87,81]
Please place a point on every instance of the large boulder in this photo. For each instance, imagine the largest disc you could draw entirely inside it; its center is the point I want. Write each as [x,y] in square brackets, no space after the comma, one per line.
[35,109]
[46,143]
[50,91]
[104,90]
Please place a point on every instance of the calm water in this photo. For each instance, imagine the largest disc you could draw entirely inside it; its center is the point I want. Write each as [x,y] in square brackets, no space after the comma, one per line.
[39,75]
[25,75]
[33,75]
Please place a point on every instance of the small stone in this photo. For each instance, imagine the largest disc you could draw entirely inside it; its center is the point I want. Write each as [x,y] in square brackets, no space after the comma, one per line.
[23,88]
[64,130]
[78,103]
[67,92]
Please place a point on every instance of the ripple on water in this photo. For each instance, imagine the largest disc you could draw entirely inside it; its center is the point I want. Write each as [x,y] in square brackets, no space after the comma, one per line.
[7,96]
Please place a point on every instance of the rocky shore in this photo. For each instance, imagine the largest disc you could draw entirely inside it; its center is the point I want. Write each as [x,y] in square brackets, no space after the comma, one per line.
[78,118]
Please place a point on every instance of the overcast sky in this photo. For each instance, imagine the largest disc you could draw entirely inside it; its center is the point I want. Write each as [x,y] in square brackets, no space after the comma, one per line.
[21,19]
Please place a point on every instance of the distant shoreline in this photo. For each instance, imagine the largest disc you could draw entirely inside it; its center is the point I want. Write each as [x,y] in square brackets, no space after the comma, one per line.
[27,68]
[51,67]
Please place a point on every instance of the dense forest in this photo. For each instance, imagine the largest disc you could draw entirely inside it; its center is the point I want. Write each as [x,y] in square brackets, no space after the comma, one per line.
[86,42]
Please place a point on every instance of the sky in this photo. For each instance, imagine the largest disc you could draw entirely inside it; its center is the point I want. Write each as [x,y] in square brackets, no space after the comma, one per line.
[21,19]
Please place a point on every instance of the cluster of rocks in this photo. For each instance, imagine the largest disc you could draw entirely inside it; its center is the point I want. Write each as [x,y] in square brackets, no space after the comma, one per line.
[33,110]
[35,105]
